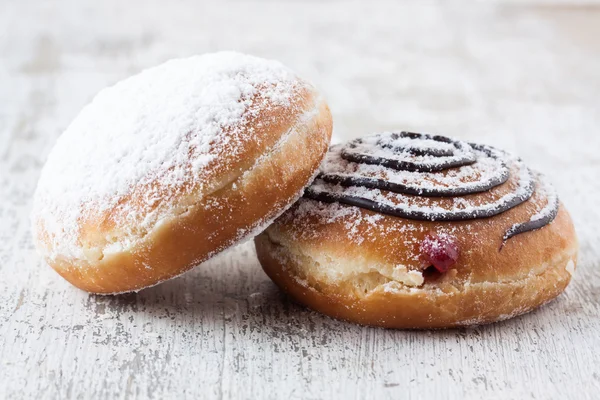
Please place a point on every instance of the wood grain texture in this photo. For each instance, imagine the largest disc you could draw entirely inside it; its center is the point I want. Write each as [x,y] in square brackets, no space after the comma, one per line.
[520,75]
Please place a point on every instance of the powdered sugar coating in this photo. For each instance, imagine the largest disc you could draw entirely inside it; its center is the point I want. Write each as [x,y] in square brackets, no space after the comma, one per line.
[166,124]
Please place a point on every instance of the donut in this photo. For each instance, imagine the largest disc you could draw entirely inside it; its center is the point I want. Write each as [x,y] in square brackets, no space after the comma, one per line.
[171,166]
[417,231]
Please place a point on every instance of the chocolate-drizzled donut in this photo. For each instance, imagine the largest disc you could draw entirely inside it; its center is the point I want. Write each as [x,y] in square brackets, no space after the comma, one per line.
[408,230]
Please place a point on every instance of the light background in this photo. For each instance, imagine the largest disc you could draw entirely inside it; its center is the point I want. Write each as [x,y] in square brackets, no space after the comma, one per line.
[523,75]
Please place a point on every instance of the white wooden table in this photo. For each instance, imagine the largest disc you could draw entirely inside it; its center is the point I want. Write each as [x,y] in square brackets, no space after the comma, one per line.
[521,75]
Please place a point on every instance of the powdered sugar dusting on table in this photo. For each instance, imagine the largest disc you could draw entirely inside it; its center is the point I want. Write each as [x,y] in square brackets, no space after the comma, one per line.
[166,123]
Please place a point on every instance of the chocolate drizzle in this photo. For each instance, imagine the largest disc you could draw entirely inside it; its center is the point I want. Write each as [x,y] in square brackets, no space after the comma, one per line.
[538,220]
[500,176]
[391,173]
[446,157]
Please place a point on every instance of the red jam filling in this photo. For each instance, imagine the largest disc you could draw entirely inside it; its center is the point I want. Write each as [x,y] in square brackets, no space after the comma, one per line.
[439,250]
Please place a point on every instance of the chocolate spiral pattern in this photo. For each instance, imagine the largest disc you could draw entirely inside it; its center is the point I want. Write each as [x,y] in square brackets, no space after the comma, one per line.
[394,173]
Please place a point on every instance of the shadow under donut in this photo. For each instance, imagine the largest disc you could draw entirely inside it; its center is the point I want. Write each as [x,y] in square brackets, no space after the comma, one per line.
[230,290]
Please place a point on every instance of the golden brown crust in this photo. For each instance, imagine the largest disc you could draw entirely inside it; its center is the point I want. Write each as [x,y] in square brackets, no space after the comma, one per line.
[241,191]
[367,270]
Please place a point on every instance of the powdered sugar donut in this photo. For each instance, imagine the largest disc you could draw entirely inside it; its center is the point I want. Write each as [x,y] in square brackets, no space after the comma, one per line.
[406,230]
[169,167]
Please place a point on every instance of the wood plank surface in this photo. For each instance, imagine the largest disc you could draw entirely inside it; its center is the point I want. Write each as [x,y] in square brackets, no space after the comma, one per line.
[520,75]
